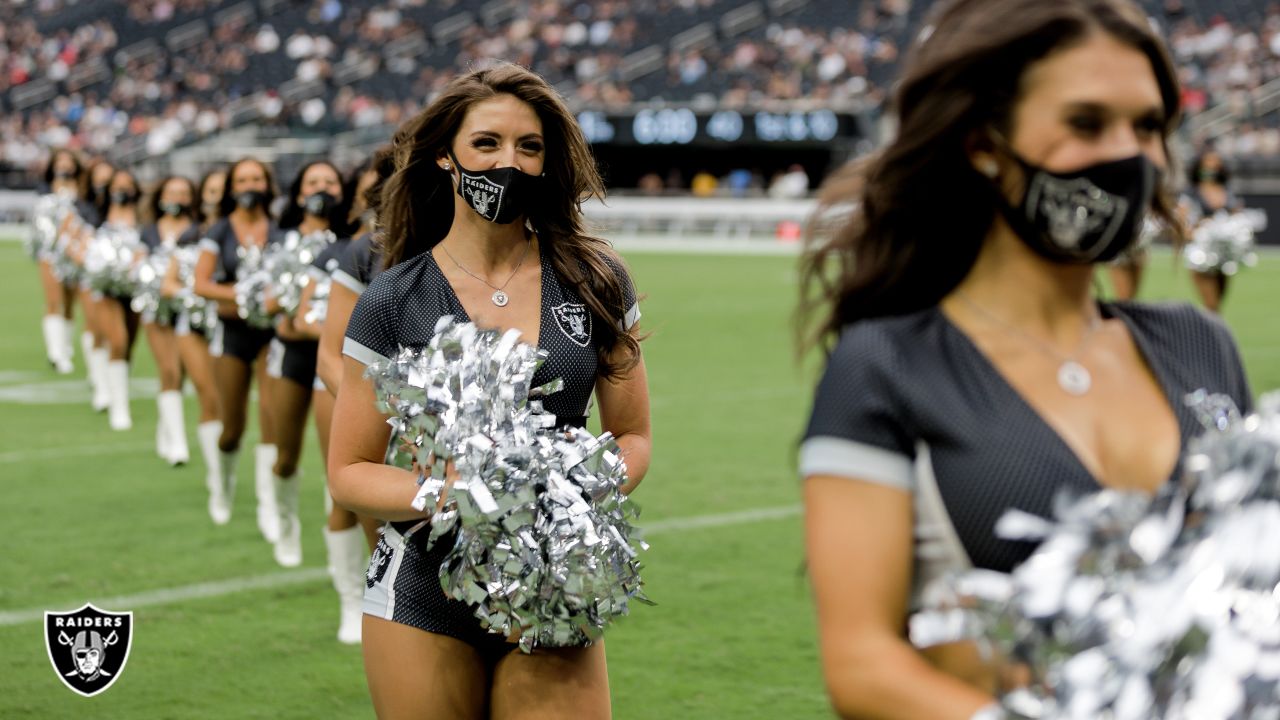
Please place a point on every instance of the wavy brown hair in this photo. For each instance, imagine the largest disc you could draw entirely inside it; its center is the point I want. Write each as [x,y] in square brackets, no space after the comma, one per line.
[896,232]
[417,200]
[151,206]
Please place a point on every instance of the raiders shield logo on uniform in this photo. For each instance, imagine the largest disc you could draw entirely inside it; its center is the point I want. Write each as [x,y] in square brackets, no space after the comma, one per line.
[88,647]
[574,322]
[484,194]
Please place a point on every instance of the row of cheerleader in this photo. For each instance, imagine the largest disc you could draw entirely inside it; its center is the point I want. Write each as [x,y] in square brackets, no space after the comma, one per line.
[1221,242]
[228,294]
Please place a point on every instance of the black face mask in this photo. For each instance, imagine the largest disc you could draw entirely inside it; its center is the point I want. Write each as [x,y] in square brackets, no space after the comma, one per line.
[250,199]
[1086,216]
[123,197]
[100,190]
[174,209]
[320,204]
[64,174]
[1211,176]
[501,195]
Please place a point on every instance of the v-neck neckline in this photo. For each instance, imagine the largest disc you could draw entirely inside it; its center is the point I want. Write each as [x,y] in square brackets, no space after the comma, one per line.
[464,316]
[1163,379]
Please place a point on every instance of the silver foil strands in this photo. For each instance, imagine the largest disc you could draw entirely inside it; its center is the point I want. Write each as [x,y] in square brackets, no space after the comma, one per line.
[543,545]
[1224,243]
[148,298]
[47,217]
[1136,607]
[323,283]
[201,313]
[109,259]
[289,264]
[253,282]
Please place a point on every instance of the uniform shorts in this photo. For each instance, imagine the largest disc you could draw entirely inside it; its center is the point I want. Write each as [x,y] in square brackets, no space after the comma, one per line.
[403,585]
[294,360]
[235,338]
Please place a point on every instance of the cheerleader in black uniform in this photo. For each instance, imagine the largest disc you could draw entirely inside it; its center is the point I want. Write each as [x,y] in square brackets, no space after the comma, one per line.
[76,232]
[193,343]
[972,370]
[62,180]
[116,319]
[346,535]
[317,204]
[173,224]
[524,263]
[1209,196]
[240,350]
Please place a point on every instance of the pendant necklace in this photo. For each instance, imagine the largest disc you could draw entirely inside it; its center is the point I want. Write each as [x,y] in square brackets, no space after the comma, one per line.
[1073,377]
[499,297]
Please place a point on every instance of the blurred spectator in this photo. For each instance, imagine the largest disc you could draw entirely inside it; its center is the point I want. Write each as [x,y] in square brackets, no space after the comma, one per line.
[704,184]
[794,183]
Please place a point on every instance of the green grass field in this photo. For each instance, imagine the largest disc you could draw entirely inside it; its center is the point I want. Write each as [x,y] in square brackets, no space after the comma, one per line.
[89,514]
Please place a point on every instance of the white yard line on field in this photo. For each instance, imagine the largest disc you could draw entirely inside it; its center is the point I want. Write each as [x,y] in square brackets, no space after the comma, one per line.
[270,581]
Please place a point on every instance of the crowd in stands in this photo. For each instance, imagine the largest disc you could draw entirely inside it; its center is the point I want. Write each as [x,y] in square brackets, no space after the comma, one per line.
[92,74]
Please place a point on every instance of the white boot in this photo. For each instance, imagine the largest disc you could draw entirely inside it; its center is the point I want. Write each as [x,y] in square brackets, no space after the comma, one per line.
[264,463]
[68,347]
[222,487]
[162,437]
[118,389]
[347,564]
[55,333]
[208,434]
[86,350]
[174,427]
[99,359]
[288,550]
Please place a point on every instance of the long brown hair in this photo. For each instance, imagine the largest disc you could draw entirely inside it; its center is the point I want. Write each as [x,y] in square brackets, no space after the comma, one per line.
[417,200]
[914,216]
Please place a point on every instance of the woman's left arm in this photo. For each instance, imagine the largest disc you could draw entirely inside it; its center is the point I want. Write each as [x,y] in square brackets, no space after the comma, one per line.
[624,411]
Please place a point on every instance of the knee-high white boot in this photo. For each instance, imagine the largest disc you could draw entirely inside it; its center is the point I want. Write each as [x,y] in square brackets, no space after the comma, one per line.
[173,425]
[68,347]
[208,434]
[99,359]
[288,548]
[162,435]
[118,390]
[55,333]
[264,463]
[347,564]
[222,487]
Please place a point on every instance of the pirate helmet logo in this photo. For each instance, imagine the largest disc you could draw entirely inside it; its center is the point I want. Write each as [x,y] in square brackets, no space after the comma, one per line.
[574,321]
[88,647]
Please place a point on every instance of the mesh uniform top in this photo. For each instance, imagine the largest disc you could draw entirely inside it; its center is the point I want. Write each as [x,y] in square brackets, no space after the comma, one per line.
[151,237]
[221,240]
[401,307]
[358,264]
[910,402]
[329,259]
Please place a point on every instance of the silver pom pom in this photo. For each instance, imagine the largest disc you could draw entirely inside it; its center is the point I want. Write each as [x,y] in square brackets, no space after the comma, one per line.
[110,257]
[148,279]
[252,284]
[544,547]
[1224,243]
[1137,607]
[289,264]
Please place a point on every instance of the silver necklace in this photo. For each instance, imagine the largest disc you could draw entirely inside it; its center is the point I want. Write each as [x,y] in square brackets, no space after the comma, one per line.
[499,297]
[1073,377]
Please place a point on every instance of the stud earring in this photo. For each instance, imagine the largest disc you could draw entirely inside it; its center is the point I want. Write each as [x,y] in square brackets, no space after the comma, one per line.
[989,168]
[447,166]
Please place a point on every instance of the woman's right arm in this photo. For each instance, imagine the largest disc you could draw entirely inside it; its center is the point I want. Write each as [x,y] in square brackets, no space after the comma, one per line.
[358,479]
[859,546]
[342,300]
[205,287]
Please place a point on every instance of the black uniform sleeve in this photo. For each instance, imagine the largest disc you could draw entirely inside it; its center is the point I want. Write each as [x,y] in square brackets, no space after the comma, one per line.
[351,272]
[631,306]
[373,332]
[859,427]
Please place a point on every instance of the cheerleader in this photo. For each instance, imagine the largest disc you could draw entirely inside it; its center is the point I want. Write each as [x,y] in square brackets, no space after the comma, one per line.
[346,534]
[116,320]
[239,350]
[317,208]
[525,263]
[74,235]
[63,179]
[1209,196]
[191,331]
[173,225]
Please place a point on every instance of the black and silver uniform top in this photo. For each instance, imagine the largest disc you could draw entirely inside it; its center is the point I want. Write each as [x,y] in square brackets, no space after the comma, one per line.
[151,237]
[910,402]
[221,240]
[330,259]
[359,264]
[401,306]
